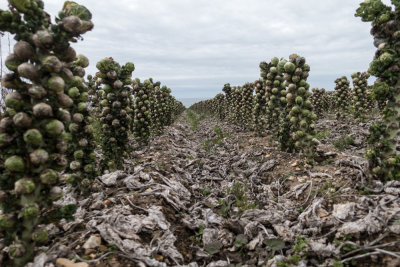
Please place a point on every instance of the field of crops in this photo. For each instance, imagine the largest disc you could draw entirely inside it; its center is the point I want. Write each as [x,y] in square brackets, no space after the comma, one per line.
[110,170]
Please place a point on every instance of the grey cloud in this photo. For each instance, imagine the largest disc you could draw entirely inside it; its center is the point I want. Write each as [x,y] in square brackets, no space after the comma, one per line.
[196,46]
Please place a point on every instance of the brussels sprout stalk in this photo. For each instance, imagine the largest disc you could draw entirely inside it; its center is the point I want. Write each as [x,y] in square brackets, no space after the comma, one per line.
[383,159]
[115,81]
[33,131]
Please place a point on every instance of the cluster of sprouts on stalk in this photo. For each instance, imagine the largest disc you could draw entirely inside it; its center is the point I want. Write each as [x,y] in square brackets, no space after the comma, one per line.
[34,138]
[360,95]
[114,81]
[319,101]
[342,97]
[382,154]
[259,108]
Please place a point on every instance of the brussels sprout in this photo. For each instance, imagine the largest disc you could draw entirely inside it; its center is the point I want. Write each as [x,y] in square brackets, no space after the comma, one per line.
[386,58]
[67,75]
[54,128]
[14,100]
[23,50]
[82,107]
[22,120]
[115,123]
[11,112]
[12,62]
[274,61]
[43,39]
[60,161]
[73,127]
[72,24]
[118,84]
[129,67]
[64,100]
[49,177]
[33,137]
[84,97]
[7,221]
[62,146]
[105,65]
[24,186]
[64,115]
[82,61]
[37,92]
[28,71]
[92,156]
[313,117]
[289,67]
[52,64]
[5,139]
[70,178]
[16,250]
[83,142]
[299,100]
[8,80]
[79,71]
[79,154]
[41,236]
[78,118]
[116,104]
[306,113]
[75,165]
[107,88]
[42,110]
[56,84]
[39,157]
[112,75]
[30,211]
[295,110]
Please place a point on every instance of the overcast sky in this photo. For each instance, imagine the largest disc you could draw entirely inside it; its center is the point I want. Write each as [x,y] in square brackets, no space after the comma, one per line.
[196,46]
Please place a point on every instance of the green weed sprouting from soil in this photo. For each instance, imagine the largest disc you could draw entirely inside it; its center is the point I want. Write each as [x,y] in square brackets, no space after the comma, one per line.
[194,119]
[218,140]
[236,197]
[344,142]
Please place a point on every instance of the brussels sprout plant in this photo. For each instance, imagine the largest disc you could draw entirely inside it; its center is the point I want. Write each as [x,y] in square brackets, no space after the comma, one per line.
[33,138]
[360,97]
[259,108]
[274,92]
[299,107]
[81,156]
[343,95]
[229,102]
[382,155]
[142,121]
[319,101]
[246,106]
[114,101]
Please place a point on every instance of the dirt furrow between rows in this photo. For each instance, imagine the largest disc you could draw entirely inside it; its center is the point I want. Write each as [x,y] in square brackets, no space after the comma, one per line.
[206,193]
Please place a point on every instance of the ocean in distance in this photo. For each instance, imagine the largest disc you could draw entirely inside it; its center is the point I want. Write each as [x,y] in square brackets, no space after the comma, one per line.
[187,102]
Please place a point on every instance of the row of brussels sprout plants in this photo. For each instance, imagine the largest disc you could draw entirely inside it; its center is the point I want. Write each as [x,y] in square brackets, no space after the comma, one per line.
[52,116]
[284,107]
[278,102]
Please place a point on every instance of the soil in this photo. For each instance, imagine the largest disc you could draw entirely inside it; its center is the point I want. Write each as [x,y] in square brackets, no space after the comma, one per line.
[192,198]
